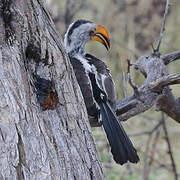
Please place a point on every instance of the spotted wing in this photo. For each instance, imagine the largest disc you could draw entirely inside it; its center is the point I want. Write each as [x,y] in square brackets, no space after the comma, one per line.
[104,78]
[85,86]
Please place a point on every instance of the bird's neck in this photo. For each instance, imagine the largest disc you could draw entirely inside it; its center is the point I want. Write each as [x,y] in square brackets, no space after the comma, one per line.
[80,51]
[80,56]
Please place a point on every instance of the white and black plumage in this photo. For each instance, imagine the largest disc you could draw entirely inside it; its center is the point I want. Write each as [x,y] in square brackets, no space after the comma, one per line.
[97,86]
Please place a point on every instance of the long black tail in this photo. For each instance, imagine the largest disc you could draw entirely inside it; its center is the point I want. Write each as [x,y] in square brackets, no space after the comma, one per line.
[121,147]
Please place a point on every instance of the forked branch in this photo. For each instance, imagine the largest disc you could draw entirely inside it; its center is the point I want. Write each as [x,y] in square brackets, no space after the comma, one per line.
[163,26]
[155,90]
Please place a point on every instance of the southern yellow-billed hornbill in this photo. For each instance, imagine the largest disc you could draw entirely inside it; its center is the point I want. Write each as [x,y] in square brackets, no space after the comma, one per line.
[97,86]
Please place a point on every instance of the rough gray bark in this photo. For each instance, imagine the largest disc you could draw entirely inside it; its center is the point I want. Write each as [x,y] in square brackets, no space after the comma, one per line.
[36,144]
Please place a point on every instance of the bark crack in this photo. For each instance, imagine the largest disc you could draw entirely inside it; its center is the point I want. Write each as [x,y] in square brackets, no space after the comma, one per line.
[22,157]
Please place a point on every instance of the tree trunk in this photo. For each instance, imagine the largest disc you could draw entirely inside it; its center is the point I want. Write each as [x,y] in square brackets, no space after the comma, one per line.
[44,128]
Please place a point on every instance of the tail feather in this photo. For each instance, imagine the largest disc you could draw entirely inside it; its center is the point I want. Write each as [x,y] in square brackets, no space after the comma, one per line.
[121,147]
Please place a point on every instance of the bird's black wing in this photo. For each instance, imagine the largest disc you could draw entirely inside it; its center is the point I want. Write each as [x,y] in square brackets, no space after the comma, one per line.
[121,147]
[104,78]
[86,89]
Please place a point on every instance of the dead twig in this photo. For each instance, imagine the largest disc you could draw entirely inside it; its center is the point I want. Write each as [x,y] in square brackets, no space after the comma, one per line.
[135,88]
[148,164]
[169,147]
[125,84]
[162,27]
[146,167]
[165,81]
[170,57]
[156,127]
[153,150]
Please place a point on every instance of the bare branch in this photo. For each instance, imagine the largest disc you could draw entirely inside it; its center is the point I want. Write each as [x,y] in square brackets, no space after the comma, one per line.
[135,88]
[168,104]
[163,26]
[152,151]
[125,84]
[123,107]
[154,91]
[168,58]
[169,147]
[165,81]
[148,132]
[146,167]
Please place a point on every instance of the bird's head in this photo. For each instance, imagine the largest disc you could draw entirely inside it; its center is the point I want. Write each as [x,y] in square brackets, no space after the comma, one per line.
[82,31]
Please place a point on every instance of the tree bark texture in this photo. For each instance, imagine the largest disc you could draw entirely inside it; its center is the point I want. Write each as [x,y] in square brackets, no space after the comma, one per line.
[39,139]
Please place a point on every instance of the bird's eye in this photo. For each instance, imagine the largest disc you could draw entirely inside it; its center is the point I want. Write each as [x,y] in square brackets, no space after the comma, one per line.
[91,33]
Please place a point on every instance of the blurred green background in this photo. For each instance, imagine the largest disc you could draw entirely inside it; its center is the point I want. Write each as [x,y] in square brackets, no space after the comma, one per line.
[134,26]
